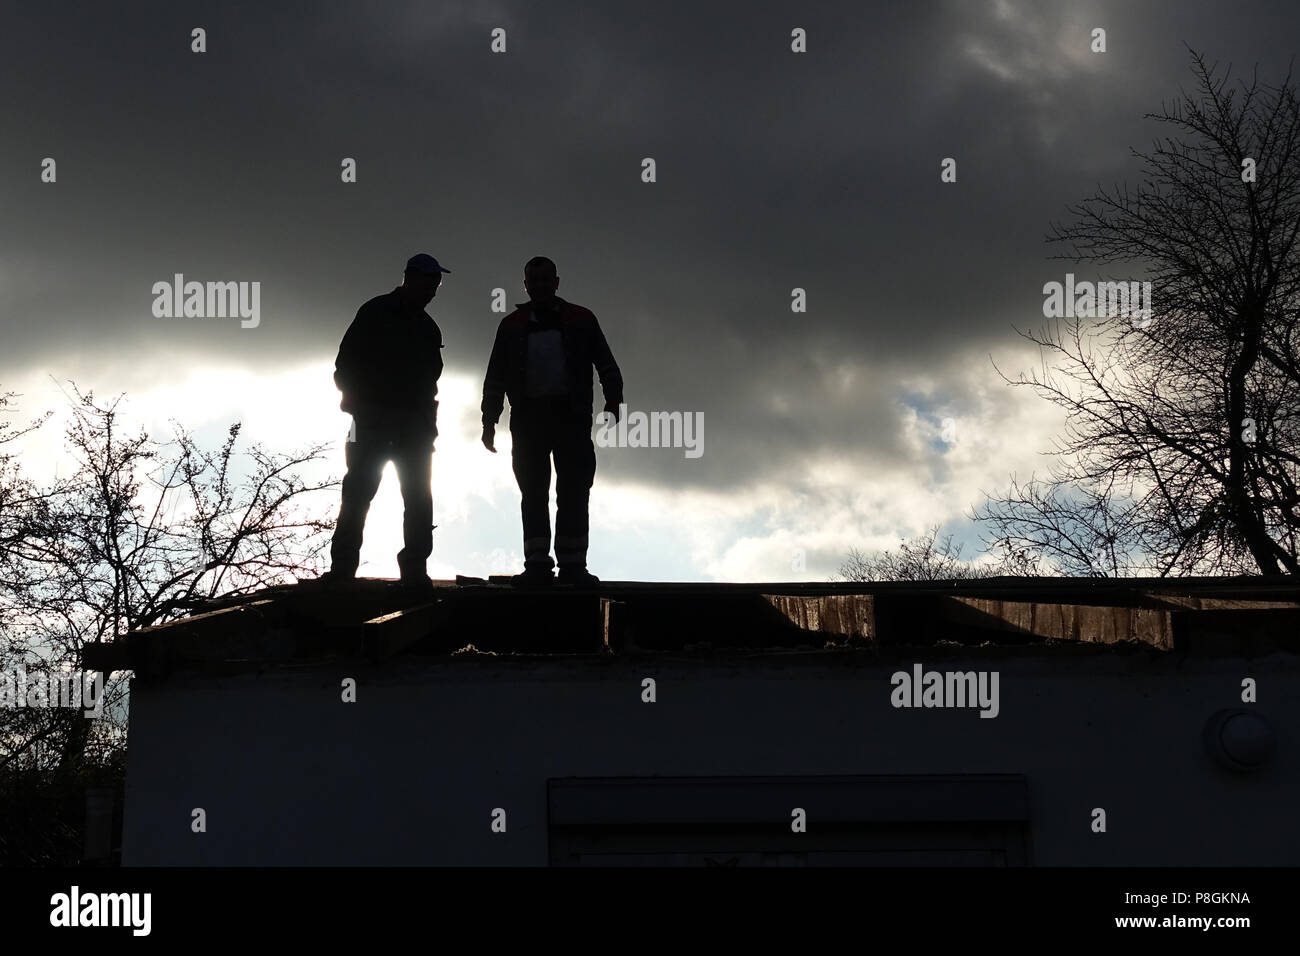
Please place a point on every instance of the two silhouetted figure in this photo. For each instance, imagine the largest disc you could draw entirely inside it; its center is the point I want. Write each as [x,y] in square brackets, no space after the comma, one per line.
[542,359]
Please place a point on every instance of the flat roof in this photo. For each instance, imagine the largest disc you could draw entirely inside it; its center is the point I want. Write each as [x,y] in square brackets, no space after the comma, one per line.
[375,619]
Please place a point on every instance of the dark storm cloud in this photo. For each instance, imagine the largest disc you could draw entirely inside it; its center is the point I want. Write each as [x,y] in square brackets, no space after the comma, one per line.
[775,170]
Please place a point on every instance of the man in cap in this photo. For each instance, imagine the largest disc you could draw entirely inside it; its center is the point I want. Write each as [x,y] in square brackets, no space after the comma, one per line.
[542,360]
[387,369]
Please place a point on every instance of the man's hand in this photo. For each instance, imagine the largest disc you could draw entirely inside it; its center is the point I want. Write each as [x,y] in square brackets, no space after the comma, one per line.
[612,408]
[489,438]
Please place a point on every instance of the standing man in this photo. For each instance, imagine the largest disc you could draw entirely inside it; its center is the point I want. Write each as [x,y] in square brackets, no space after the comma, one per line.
[387,369]
[542,360]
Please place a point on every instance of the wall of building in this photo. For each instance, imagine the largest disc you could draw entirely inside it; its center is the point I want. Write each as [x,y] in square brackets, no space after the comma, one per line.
[412,772]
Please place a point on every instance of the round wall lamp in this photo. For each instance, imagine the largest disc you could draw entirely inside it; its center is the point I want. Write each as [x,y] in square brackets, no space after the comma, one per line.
[1239,739]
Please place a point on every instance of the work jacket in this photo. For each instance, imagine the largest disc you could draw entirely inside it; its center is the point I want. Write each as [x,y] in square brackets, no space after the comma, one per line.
[584,348]
[390,361]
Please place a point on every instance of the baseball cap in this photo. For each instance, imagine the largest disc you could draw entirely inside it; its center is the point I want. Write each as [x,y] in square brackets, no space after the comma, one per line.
[424,263]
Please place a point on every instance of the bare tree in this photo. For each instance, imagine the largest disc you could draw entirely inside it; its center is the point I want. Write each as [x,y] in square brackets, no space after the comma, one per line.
[1182,439]
[929,558]
[138,534]
[22,506]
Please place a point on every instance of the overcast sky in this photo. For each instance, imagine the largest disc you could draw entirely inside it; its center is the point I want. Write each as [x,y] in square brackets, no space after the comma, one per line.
[823,430]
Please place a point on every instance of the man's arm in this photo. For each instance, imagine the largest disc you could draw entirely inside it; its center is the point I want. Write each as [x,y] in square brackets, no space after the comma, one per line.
[494,383]
[494,389]
[349,364]
[434,358]
[435,364]
[611,379]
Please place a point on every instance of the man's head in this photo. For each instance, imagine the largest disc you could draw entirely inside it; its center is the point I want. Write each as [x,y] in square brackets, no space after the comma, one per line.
[421,279]
[540,278]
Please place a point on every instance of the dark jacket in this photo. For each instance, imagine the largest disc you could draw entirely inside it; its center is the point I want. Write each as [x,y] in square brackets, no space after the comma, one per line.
[584,348]
[390,360]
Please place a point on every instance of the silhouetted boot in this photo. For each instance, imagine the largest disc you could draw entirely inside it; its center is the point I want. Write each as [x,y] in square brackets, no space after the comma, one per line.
[534,577]
[576,577]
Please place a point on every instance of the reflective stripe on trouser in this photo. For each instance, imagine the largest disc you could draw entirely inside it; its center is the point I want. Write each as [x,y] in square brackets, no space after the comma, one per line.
[571,552]
[537,553]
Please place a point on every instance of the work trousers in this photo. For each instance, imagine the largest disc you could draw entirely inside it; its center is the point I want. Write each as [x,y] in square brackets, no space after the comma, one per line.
[372,443]
[539,430]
